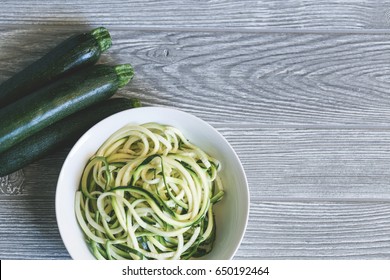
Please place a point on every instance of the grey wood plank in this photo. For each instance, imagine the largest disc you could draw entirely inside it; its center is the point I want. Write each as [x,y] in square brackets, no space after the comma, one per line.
[314,164]
[300,230]
[276,230]
[291,14]
[28,229]
[282,164]
[268,79]
[272,79]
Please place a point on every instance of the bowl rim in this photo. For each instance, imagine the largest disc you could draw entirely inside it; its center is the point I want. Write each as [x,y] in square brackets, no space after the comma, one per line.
[147,109]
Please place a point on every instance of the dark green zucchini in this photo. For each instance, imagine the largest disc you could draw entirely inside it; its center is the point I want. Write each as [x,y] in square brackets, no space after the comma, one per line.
[62,133]
[74,53]
[62,98]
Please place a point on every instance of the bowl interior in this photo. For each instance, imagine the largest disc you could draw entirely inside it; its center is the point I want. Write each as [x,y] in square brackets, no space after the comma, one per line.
[231,213]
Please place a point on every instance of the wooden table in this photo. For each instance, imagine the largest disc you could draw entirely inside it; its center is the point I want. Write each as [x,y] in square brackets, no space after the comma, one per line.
[301,90]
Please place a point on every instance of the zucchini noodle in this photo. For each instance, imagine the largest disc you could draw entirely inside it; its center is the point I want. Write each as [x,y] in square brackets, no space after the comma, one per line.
[148,193]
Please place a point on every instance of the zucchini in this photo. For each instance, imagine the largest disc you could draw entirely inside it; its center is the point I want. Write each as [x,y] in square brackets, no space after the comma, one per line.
[62,98]
[74,53]
[62,133]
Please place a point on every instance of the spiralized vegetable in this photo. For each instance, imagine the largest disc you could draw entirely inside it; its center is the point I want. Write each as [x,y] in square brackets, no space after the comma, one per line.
[148,193]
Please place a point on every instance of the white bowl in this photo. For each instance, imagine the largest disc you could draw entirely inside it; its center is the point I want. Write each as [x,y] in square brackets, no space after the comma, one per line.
[231,212]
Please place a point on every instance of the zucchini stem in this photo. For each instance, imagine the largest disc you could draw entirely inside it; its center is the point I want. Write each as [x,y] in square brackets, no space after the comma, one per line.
[103,38]
[125,73]
[135,102]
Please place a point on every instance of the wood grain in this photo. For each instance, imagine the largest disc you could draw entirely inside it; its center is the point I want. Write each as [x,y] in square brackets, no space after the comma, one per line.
[269,79]
[197,14]
[314,164]
[28,229]
[276,230]
[308,230]
[283,164]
